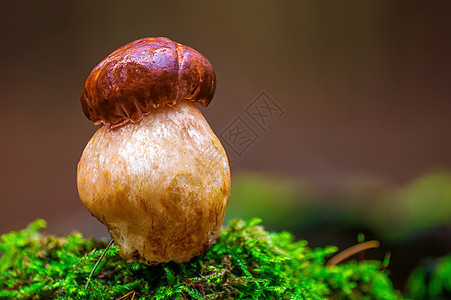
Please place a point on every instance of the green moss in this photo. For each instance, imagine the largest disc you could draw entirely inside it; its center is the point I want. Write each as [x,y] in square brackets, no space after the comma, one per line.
[246,262]
[432,280]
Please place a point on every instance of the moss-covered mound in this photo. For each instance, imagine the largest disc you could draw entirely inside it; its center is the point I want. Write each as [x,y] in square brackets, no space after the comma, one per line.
[246,262]
[431,280]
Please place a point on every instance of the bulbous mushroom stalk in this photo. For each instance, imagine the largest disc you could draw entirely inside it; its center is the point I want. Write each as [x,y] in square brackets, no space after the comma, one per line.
[154,172]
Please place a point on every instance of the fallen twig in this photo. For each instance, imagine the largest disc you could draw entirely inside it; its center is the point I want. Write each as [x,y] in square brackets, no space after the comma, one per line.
[336,259]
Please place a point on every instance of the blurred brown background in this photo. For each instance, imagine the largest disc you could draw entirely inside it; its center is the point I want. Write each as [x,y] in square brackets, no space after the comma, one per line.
[365,87]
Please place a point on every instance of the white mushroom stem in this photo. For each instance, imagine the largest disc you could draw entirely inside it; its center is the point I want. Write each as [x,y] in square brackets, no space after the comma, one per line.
[161,185]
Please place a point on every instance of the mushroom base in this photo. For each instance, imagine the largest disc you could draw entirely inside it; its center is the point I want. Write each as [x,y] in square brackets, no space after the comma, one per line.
[161,186]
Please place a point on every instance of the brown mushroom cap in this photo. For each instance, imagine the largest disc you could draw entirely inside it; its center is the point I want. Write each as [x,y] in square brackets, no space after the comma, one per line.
[142,76]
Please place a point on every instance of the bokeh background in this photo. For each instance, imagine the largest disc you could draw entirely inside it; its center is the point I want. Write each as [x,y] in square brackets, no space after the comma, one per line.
[363,144]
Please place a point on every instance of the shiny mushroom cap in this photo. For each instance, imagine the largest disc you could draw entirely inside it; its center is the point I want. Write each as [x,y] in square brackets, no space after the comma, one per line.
[143,75]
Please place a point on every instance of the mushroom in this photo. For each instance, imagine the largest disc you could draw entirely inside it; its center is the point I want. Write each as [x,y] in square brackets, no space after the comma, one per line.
[154,172]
